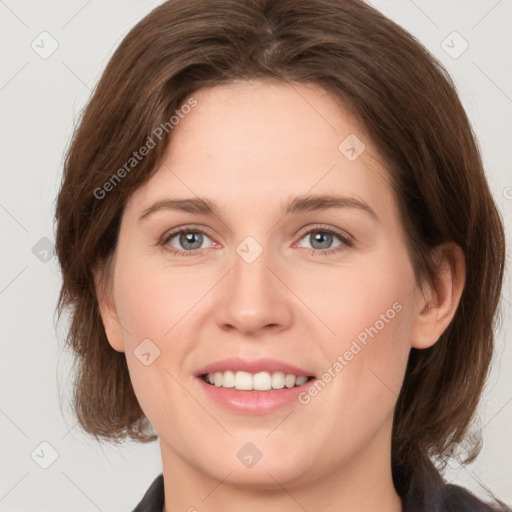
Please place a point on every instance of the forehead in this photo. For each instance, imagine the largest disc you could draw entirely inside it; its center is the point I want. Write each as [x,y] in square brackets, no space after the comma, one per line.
[253,142]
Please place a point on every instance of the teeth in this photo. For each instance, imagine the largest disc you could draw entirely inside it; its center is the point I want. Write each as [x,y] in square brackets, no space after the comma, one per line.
[289,381]
[301,380]
[243,380]
[278,380]
[228,380]
[262,381]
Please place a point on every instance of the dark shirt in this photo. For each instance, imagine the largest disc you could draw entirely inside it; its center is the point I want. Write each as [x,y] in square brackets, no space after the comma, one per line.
[153,500]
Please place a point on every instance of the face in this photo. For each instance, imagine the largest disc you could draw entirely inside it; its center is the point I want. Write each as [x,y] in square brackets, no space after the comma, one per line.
[271,281]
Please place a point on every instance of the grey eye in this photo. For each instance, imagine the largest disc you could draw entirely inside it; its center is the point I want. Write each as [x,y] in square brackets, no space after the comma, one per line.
[188,240]
[321,240]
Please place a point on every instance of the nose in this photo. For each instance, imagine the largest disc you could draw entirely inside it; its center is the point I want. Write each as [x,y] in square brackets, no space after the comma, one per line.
[254,298]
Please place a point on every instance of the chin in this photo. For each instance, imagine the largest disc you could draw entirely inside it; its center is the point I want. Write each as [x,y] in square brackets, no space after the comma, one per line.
[260,464]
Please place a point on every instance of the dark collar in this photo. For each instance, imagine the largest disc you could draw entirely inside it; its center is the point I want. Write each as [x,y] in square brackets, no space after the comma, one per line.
[153,500]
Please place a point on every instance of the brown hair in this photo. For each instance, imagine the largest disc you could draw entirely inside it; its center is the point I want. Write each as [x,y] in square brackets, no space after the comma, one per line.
[409,106]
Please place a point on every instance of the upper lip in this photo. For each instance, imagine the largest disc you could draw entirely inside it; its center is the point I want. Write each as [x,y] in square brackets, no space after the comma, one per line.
[255,366]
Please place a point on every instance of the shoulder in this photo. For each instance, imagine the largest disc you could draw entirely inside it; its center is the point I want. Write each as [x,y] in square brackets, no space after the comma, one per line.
[422,489]
[452,498]
[153,500]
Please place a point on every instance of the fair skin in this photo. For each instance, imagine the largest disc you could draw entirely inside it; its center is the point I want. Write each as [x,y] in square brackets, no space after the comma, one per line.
[250,147]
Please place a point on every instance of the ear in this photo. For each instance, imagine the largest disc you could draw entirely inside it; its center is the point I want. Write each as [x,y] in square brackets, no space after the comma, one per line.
[436,306]
[103,285]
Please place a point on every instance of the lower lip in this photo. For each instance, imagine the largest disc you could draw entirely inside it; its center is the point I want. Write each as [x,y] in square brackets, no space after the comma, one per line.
[253,402]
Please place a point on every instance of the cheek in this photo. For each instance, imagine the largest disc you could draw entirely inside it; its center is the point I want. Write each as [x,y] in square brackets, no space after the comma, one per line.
[151,300]
[370,310]
[364,301]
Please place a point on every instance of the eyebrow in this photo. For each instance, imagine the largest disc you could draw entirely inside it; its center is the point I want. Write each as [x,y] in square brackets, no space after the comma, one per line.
[300,204]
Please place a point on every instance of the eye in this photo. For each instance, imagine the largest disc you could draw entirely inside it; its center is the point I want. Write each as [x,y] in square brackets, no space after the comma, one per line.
[190,239]
[321,239]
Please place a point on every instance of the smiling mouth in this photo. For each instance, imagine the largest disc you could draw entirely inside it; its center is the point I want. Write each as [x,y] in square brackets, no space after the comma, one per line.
[261,381]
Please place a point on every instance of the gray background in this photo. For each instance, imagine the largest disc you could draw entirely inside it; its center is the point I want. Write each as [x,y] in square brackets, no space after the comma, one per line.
[41,96]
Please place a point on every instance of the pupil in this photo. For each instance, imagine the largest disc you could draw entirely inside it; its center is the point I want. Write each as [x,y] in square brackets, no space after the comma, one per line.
[327,240]
[189,238]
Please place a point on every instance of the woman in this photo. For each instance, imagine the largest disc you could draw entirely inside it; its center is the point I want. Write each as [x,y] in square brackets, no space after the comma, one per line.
[276,374]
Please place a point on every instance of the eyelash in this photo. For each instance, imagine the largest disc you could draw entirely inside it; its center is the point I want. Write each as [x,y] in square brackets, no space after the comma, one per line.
[345,239]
